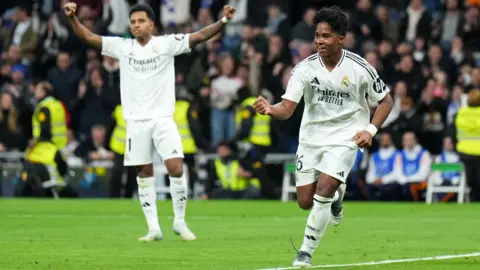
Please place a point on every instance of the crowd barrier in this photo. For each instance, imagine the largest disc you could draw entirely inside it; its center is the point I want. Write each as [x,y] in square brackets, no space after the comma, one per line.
[91,180]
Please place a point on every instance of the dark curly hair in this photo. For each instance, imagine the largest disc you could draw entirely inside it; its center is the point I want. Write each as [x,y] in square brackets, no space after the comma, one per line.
[145,8]
[335,17]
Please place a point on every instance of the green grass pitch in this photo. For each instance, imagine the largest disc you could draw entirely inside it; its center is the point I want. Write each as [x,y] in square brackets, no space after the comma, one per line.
[103,234]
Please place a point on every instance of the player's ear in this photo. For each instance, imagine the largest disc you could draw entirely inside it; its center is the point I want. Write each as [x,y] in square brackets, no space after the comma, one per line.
[340,39]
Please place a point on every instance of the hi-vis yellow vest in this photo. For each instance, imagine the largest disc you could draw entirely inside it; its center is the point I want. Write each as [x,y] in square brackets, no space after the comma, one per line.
[57,121]
[44,153]
[118,138]
[260,133]
[468,130]
[181,119]
[228,174]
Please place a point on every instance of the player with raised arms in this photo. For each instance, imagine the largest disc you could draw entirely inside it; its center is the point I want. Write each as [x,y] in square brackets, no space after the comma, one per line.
[335,85]
[147,86]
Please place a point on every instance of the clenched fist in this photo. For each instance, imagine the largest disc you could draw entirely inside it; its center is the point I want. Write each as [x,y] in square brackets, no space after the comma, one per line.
[70,9]
[262,106]
[363,139]
[228,12]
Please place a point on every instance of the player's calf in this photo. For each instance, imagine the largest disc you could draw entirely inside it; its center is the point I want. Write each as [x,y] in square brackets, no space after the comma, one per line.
[148,200]
[179,193]
[318,219]
[337,206]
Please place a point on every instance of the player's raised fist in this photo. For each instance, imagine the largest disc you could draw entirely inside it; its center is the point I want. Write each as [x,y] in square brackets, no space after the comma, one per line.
[262,106]
[228,12]
[70,8]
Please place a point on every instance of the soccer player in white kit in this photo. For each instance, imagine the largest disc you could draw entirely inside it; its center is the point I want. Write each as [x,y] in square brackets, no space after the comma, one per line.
[147,86]
[335,85]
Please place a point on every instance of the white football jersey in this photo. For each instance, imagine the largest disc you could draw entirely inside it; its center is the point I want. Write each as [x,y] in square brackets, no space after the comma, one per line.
[147,73]
[336,105]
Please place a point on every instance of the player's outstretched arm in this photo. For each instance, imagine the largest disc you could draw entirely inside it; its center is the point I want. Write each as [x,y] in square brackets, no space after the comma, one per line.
[210,31]
[80,30]
[281,111]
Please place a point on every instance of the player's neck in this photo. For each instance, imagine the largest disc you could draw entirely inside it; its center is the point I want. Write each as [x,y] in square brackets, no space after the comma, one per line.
[331,61]
[144,41]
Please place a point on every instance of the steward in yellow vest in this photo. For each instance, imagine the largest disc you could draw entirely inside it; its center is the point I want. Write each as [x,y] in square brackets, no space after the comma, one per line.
[467,125]
[118,137]
[49,119]
[252,127]
[44,169]
[189,126]
[190,129]
[117,145]
[235,182]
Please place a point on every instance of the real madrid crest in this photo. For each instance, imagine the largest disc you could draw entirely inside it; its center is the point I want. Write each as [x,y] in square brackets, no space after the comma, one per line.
[345,82]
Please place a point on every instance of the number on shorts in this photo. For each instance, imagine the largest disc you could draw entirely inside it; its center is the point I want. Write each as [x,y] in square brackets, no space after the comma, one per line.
[299,163]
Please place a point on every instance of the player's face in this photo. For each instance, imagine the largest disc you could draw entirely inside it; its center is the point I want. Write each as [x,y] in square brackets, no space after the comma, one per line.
[140,25]
[327,41]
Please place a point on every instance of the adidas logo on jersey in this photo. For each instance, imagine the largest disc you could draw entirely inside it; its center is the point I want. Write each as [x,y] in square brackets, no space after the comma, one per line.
[327,95]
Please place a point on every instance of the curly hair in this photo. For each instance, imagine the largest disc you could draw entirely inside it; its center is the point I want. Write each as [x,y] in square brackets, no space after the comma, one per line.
[335,17]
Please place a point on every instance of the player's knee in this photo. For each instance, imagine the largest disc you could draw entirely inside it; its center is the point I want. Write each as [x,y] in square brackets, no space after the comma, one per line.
[175,169]
[327,187]
[305,202]
[145,171]
[305,205]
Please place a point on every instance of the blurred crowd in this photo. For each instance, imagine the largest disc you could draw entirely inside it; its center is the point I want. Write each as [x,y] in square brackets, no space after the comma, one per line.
[427,51]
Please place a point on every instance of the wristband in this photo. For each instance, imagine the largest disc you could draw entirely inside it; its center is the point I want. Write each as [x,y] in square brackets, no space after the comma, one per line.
[372,129]
[225,20]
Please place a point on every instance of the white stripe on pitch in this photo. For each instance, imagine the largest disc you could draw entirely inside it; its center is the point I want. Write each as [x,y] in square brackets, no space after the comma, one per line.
[434,258]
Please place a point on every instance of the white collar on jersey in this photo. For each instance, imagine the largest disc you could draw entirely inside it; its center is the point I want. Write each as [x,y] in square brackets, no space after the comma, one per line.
[339,62]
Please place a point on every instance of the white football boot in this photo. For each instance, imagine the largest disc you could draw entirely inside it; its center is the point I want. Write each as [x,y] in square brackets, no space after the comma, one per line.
[151,236]
[184,232]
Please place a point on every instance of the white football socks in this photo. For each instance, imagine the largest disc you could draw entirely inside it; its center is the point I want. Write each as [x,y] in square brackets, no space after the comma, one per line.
[148,200]
[179,192]
[316,223]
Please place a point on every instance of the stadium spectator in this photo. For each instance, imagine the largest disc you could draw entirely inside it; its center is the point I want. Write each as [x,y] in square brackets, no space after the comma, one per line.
[384,171]
[22,33]
[95,147]
[369,26]
[448,155]
[415,163]
[433,111]
[304,30]
[389,27]
[224,92]
[11,136]
[416,22]
[64,78]
[97,105]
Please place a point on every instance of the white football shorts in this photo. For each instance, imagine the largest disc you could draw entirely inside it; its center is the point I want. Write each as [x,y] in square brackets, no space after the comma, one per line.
[334,160]
[145,136]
